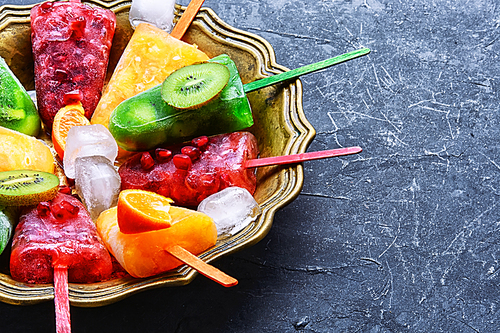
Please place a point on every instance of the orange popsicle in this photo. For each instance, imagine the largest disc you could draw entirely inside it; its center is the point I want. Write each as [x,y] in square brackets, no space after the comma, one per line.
[145,254]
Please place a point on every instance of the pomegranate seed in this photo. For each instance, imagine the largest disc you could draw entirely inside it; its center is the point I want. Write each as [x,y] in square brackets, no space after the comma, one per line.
[200,142]
[147,161]
[72,97]
[163,155]
[78,27]
[65,189]
[64,210]
[46,5]
[61,74]
[192,152]
[182,161]
[43,209]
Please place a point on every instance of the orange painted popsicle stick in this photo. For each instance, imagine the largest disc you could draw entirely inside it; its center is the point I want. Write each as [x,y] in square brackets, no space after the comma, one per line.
[202,267]
[186,18]
[61,299]
[297,158]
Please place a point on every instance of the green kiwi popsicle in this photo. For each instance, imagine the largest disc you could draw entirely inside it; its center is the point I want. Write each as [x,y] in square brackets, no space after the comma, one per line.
[172,113]
[17,110]
[146,121]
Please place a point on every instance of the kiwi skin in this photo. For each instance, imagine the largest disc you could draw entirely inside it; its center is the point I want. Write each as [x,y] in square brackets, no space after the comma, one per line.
[194,86]
[27,187]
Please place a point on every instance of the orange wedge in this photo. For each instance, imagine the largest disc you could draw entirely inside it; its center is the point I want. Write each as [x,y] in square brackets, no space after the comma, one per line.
[141,211]
[67,117]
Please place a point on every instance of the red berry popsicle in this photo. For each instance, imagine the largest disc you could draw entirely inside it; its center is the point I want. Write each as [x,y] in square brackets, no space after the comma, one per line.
[71,43]
[190,174]
[58,233]
[57,241]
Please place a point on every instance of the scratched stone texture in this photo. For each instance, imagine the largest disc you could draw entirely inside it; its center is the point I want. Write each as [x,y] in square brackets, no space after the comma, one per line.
[403,237]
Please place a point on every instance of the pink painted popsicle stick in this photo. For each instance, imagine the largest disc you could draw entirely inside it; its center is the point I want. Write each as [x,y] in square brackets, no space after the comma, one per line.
[297,158]
[61,299]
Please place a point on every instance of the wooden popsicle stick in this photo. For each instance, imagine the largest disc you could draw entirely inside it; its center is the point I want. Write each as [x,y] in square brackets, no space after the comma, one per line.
[268,81]
[202,267]
[186,18]
[297,158]
[61,299]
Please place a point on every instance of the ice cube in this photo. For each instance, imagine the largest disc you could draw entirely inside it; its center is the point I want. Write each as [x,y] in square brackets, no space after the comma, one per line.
[97,183]
[232,209]
[88,140]
[159,13]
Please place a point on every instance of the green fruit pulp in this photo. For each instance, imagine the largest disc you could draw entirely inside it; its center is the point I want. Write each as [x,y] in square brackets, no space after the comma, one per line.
[17,110]
[27,187]
[8,220]
[145,121]
[193,86]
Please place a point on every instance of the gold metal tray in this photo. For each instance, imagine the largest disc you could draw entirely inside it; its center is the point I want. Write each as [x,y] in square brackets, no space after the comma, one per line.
[280,127]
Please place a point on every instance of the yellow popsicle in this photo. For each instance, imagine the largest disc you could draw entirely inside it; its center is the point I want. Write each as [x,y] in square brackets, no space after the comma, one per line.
[150,56]
[19,151]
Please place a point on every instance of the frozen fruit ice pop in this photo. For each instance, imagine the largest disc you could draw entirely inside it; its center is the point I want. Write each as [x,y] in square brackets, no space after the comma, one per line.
[190,174]
[145,121]
[58,233]
[150,56]
[17,110]
[71,42]
[145,254]
[19,151]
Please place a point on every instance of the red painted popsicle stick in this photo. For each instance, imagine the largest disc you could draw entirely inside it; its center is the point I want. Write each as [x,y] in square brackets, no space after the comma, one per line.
[297,158]
[202,267]
[61,299]
[187,17]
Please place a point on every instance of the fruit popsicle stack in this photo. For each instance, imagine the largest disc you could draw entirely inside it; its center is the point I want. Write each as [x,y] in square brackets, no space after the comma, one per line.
[190,174]
[146,121]
[71,43]
[58,233]
[150,56]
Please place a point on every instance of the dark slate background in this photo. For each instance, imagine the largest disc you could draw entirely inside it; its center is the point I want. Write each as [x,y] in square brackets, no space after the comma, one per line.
[401,238]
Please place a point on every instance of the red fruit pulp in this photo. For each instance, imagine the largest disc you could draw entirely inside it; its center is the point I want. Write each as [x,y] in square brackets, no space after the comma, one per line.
[220,164]
[71,42]
[42,241]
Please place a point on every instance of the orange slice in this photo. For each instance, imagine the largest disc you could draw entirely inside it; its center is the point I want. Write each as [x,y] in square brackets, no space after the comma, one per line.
[141,211]
[67,117]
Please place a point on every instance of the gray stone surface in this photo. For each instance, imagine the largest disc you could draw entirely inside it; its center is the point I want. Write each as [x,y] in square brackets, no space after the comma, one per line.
[401,238]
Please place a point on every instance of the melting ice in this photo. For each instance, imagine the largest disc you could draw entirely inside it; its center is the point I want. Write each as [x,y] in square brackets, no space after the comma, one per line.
[159,13]
[232,209]
[97,183]
[90,140]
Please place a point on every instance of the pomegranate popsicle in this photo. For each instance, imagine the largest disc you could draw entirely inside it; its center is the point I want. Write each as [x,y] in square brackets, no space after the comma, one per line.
[150,56]
[71,42]
[189,174]
[58,233]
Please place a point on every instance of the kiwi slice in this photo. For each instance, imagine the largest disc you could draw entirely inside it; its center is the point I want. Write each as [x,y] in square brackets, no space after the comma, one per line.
[193,86]
[27,187]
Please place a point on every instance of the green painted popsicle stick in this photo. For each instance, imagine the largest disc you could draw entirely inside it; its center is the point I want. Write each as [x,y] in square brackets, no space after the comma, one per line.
[269,81]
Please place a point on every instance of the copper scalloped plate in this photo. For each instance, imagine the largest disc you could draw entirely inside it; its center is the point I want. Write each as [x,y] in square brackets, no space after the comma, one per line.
[280,126]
